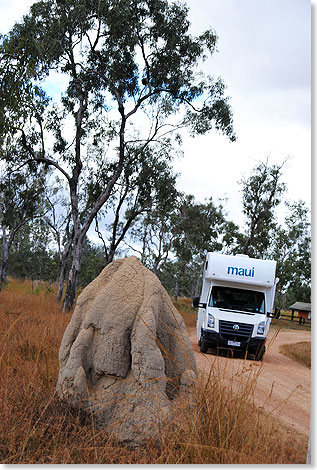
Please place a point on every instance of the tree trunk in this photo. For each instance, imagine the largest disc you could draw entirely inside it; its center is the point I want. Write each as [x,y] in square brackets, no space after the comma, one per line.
[5,257]
[61,280]
[198,282]
[197,287]
[176,291]
[6,245]
[110,256]
[156,266]
[62,272]
[4,272]
[78,231]
[73,274]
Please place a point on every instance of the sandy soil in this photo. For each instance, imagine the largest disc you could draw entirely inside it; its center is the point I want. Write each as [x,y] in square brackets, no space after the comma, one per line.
[283,385]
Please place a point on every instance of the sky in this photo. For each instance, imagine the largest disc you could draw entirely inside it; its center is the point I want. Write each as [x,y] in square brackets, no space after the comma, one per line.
[264,54]
[264,58]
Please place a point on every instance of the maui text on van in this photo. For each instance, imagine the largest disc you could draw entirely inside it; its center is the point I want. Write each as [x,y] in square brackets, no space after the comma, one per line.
[236,303]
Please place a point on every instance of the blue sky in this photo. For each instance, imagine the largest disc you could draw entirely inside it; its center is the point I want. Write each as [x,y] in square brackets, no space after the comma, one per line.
[264,58]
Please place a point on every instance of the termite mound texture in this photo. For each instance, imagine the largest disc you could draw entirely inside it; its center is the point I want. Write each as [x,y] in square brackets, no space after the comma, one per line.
[125,355]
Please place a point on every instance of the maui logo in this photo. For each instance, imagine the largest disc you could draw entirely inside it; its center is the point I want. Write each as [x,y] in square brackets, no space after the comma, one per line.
[241,271]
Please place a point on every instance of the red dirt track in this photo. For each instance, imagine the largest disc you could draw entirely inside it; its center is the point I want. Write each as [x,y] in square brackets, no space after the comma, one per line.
[283,385]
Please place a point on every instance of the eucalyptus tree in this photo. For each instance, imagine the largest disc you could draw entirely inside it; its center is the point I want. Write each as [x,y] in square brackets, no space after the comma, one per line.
[146,184]
[176,236]
[128,64]
[153,233]
[291,247]
[32,256]
[58,219]
[288,243]
[21,200]
[262,192]
[200,229]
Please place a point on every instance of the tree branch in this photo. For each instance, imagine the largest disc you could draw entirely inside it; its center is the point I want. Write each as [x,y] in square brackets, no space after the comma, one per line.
[42,159]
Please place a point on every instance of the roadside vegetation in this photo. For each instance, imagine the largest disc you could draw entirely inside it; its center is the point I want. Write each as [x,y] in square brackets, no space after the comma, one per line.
[36,428]
[300,352]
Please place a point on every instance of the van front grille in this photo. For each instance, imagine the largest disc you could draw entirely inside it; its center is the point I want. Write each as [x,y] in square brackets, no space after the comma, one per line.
[235,331]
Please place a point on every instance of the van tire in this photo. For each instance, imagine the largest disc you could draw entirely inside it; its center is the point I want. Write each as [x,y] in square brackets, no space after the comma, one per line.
[203,346]
[260,354]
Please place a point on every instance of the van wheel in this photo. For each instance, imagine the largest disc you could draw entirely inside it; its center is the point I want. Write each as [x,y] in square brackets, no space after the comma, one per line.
[260,354]
[203,346]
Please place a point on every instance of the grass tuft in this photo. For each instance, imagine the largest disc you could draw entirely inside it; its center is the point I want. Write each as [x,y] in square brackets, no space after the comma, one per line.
[300,352]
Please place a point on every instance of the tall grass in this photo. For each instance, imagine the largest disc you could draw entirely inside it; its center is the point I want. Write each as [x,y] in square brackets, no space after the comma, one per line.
[224,426]
[184,306]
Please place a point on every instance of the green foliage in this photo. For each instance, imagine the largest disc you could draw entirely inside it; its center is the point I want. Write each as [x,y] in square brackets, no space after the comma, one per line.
[21,200]
[261,194]
[31,257]
[198,229]
[146,186]
[93,261]
[99,45]
[181,279]
[176,236]
[291,247]
[21,196]
[289,243]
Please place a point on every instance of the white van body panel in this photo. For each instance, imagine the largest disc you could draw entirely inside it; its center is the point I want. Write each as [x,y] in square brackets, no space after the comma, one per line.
[240,270]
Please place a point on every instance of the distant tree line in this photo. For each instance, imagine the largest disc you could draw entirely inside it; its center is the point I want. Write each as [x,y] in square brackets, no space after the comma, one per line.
[173,238]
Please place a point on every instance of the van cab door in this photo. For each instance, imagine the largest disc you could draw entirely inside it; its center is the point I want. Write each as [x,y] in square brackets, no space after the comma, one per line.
[201,316]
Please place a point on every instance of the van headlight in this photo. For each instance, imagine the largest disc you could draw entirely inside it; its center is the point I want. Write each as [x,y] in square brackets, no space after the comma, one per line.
[211,321]
[261,327]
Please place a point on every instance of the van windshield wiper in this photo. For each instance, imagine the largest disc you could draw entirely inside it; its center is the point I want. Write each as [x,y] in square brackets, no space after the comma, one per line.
[237,311]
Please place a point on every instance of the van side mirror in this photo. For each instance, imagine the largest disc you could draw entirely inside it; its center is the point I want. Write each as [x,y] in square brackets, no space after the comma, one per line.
[276,314]
[196,302]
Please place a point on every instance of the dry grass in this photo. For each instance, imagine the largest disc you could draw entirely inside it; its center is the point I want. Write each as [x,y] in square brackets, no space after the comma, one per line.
[35,427]
[301,352]
[184,306]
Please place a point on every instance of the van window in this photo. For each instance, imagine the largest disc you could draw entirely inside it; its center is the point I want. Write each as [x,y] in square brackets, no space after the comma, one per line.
[231,298]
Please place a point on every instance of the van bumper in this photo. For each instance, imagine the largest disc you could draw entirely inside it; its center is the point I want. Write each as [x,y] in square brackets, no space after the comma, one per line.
[215,340]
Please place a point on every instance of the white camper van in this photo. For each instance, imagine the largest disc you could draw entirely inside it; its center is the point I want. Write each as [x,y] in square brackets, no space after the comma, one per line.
[236,303]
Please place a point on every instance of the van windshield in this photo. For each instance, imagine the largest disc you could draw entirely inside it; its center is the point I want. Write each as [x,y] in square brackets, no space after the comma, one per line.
[237,299]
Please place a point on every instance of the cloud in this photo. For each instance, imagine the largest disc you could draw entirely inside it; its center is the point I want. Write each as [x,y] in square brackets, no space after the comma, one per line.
[262,43]
[12,11]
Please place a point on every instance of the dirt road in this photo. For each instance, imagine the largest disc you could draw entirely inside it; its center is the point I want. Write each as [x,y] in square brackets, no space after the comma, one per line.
[283,385]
